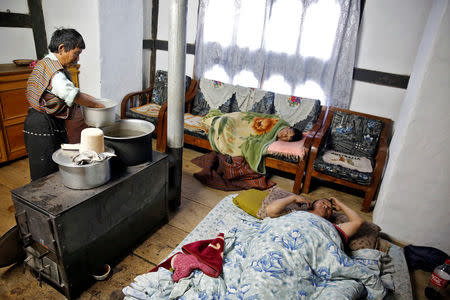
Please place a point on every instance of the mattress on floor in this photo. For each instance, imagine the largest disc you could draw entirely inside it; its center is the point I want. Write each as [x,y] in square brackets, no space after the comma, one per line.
[212,224]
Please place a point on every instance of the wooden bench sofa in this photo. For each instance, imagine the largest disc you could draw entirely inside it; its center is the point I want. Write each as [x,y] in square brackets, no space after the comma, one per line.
[200,98]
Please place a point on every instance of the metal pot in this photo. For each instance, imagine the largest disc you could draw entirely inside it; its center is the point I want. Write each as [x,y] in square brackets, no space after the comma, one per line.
[131,139]
[100,117]
[81,177]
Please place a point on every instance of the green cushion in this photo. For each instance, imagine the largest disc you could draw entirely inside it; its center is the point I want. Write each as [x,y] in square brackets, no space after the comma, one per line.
[250,201]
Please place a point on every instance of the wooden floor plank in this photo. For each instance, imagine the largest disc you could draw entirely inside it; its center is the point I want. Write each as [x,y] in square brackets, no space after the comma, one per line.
[188,215]
[160,244]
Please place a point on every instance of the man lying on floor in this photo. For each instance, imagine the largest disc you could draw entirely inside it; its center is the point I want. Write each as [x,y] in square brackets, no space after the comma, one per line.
[322,208]
[299,255]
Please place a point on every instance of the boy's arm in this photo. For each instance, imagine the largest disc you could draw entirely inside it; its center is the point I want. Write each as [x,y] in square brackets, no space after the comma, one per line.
[354,219]
[276,208]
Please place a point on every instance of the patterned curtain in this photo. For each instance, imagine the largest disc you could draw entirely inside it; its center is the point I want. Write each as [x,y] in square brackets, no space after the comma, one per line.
[304,48]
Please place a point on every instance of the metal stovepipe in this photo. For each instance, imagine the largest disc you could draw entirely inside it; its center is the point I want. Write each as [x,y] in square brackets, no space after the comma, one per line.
[176,91]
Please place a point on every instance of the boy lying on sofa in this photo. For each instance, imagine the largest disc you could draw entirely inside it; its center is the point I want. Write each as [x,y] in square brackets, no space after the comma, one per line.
[247,134]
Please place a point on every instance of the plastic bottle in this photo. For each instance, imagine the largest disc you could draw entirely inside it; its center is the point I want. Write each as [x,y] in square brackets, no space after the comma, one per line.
[437,285]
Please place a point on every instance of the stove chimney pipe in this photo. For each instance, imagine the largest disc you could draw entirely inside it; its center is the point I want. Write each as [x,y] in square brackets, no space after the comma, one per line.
[176,91]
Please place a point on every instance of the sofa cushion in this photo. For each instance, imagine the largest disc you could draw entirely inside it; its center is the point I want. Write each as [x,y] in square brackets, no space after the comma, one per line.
[193,123]
[159,94]
[201,107]
[358,163]
[335,170]
[135,115]
[354,135]
[294,150]
[265,105]
[299,112]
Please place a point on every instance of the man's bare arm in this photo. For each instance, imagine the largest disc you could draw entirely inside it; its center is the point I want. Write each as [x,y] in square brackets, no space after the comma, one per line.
[276,208]
[354,219]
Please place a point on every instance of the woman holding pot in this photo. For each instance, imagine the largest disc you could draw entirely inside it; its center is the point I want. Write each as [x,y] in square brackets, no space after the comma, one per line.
[54,100]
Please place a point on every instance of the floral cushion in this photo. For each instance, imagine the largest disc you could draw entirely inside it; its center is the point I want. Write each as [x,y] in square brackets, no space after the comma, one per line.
[159,94]
[354,135]
[193,123]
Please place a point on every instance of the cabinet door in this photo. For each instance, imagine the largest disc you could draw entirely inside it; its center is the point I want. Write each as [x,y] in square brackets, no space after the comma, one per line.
[14,108]
[14,105]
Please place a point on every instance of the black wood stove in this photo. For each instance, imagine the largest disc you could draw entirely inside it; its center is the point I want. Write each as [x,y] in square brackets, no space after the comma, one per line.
[68,234]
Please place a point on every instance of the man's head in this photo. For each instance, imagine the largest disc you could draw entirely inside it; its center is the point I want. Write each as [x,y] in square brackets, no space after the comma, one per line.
[322,207]
[289,134]
[67,44]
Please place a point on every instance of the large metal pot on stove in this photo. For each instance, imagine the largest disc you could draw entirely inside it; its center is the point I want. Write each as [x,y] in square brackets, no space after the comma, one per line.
[131,139]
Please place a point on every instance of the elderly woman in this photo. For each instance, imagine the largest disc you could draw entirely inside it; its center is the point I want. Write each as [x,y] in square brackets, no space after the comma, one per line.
[53,98]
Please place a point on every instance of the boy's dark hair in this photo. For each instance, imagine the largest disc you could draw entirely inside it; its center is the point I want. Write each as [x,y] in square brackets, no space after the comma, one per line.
[297,135]
[67,36]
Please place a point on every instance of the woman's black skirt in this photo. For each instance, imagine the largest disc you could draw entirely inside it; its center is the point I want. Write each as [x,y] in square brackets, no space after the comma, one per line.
[43,134]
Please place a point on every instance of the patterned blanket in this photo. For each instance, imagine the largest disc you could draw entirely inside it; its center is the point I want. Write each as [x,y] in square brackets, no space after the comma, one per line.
[246,134]
[297,256]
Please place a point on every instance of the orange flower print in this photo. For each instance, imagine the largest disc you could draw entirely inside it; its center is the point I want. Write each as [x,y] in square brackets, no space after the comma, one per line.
[263,125]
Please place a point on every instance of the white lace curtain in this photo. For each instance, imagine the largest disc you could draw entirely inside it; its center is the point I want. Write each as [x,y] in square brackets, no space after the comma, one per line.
[304,48]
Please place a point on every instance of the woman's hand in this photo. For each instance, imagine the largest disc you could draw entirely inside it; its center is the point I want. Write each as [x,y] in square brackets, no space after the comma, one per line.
[98,105]
[87,100]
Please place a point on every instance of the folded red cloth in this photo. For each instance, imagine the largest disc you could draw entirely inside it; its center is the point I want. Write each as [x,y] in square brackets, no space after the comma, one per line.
[206,255]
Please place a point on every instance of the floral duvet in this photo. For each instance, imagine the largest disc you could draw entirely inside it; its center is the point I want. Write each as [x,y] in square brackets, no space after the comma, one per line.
[296,256]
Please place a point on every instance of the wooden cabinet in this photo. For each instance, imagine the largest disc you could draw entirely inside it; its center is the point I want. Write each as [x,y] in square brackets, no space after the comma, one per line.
[14,108]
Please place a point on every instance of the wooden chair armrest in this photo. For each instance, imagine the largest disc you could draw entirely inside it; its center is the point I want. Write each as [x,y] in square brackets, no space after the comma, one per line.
[321,135]
[161,127]
[383,150]
[319,123]
[128,103]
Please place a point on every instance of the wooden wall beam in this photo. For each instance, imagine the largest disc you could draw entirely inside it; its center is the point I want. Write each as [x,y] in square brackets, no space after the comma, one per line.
[8,19]
[164,45]
[381,78]
[154,34]
[39,34]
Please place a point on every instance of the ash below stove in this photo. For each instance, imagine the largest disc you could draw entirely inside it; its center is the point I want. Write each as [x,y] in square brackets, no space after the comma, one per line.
[69,233]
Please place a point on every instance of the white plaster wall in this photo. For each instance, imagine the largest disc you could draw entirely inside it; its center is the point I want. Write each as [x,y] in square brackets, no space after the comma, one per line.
[83,16]
[111,64]
[379,100]
[413,204]
[389,37]
[16,43]
[121,35]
